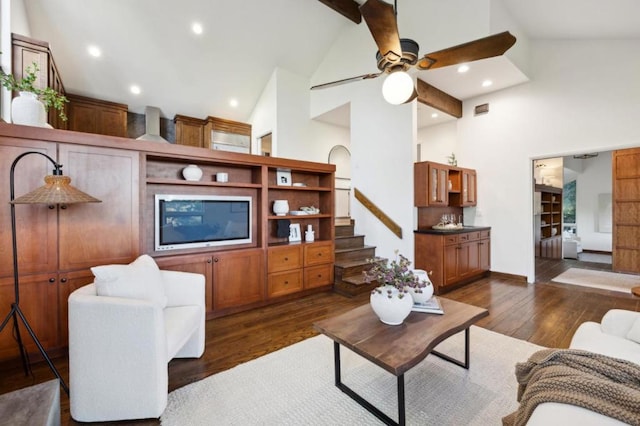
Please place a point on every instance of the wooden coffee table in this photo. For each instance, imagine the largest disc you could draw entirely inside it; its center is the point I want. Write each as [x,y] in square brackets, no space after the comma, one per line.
[397,348]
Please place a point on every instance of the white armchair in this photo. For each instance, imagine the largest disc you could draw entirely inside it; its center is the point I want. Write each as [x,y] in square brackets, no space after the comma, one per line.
[119,347]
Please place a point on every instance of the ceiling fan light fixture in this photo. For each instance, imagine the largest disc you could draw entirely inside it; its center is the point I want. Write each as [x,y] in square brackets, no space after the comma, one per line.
[398,88]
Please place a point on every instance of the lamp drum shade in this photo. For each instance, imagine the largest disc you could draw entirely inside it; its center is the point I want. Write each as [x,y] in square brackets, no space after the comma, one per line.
[56,190]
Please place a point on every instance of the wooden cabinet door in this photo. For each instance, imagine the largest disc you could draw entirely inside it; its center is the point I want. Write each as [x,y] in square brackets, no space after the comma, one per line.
[626,210]
[93,234]
[468,187]
[438,186]
[468,259]
[238,278]
[198,264]
[189,131]
[451,263]
[431,184]
[96,116]
[484,253]
[38,296]
[36,224]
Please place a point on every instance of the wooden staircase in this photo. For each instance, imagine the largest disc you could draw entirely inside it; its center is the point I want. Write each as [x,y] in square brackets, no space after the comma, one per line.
[351,256]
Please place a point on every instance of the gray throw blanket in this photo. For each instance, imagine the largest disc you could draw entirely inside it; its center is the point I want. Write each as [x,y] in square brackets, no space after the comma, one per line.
[606,385]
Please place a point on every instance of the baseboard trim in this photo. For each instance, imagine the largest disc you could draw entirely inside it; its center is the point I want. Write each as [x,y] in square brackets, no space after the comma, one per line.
[504,275]
[597,252]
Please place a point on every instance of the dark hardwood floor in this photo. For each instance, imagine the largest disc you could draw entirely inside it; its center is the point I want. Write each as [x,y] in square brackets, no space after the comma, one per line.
[544,313]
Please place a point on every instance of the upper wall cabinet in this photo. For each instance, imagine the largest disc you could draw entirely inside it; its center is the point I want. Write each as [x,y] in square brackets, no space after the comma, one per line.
[27,51]
[96,116]
[442,185]
[213,133]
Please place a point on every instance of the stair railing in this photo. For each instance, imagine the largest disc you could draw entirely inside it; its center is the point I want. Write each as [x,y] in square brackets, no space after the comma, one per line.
[375,210]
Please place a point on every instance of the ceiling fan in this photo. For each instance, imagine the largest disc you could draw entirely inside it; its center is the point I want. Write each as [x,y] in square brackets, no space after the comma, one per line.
[395,55]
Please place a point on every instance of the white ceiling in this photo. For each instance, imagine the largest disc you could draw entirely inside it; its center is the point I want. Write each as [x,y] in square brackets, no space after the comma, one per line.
[149,43]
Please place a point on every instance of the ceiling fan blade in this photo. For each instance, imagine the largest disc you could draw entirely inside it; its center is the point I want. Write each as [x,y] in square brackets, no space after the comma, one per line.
[347,8]
[346,80]
[381,20]
[487,47]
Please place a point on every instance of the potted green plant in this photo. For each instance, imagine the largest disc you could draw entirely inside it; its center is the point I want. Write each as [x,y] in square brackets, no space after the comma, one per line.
[25,86]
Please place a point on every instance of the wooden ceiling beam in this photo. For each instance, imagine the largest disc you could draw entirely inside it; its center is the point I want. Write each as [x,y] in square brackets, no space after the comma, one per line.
[436,98]
[347,8]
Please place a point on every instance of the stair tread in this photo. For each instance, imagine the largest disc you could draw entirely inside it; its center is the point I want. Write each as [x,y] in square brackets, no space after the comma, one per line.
[350,263]
[365,247]
[349,236]
[355,280]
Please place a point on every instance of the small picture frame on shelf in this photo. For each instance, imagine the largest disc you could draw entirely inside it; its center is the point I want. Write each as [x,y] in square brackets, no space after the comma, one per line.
[283,177]
[294,233]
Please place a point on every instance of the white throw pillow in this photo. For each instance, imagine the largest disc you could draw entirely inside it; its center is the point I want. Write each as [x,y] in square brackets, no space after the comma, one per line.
[141,279]
[634,332]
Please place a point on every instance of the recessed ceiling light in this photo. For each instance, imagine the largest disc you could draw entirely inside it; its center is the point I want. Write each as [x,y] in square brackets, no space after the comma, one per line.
[135,89]
[233,102]
[487,83]
[94,51]
[463,68]
[196,27]
[434,115]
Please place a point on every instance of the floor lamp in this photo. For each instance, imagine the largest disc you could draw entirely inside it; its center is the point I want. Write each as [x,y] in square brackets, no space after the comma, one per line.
[56,190]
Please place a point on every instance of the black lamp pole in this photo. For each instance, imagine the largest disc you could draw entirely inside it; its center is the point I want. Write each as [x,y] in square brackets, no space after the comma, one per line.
[16,312]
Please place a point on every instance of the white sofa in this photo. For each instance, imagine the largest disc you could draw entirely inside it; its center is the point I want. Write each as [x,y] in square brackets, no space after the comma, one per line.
[611,338]
[119,347]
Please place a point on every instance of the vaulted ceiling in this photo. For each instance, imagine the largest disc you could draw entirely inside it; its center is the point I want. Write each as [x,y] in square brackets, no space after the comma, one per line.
[151,44]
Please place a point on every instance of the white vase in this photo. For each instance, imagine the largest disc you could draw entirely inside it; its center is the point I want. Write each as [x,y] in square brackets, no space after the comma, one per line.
[391,310]
[27,110]
[192,172]
[424,293]
[281,207]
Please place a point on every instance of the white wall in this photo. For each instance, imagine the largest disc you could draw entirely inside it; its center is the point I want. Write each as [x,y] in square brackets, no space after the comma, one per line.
[264,116]
[595,179]
[383,143]
[13,19]
[574,104]
[438,142]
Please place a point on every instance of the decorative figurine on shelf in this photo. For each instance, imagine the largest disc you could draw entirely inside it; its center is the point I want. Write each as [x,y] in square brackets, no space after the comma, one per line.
[309,235]
[451,159]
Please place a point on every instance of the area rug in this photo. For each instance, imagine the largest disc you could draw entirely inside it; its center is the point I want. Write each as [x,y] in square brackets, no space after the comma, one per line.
[295,386]
[599,279]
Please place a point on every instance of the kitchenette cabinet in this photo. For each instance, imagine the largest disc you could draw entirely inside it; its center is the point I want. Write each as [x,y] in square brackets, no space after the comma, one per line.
[453,258]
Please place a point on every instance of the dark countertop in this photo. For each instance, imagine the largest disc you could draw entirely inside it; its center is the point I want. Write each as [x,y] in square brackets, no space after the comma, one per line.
[452,231]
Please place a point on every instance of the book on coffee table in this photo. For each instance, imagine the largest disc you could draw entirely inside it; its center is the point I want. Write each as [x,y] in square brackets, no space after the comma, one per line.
[431,306]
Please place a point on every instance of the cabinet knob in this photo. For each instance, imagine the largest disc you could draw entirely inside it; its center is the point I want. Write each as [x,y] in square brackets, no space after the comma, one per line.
[319,275]
[286,283]
[319,254]
[52,280]
[209,260]
[63,206]
[215,259]
[286,259]
[63,280]
[51,207]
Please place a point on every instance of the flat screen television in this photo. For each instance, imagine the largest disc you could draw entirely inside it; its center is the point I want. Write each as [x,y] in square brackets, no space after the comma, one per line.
[193,221]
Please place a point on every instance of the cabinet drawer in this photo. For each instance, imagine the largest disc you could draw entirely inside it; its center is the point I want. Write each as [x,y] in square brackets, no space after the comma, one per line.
[485,234]
[284,258]
[317,254]
[284,283]
[472,236]
[317,276]
[450,239]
